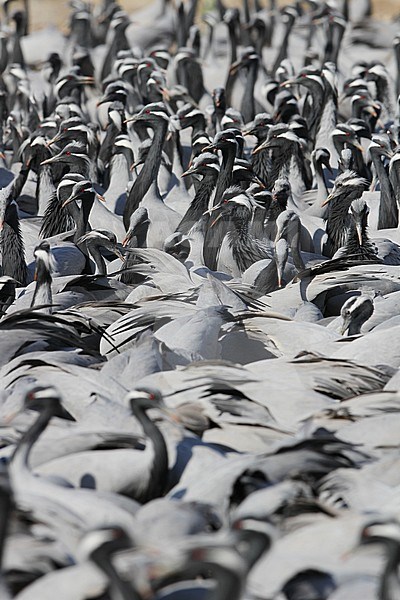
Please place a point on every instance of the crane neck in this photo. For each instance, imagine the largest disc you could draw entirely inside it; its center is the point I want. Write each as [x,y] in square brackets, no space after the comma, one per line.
[283,46]
[81,216]
[149,172]
[100,263]
[248,105]
[159,470]
[388,216]
[43,294]
[225,175]
[199,203]
[20,458]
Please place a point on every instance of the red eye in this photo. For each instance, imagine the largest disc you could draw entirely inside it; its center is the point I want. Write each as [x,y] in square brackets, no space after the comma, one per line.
[68,153]
[303,75]
[348,134]
[147,112]
[65,129]
[152,397]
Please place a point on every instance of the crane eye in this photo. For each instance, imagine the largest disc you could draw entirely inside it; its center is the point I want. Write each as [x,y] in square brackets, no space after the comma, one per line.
[68,153]
[147,112]
[152,397]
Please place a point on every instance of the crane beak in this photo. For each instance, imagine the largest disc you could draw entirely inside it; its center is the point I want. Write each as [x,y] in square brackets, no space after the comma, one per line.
[345,326]
[257,180]
[68,201]
[359,233]
[136,164]
[217,218]
[258,149]
[53,141]
[49,161]
[234,68]
[165,94]
[10,417]
[118,253]
[99,197]
[86,80]
[190,171]
[358,146]
[329,198]
[288,83]
[132,119]
[127,239]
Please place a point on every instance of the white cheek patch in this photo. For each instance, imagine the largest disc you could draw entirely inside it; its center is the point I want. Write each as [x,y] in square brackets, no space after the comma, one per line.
[46,258]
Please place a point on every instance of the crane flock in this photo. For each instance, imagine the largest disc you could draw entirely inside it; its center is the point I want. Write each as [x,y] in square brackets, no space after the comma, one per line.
[199,302]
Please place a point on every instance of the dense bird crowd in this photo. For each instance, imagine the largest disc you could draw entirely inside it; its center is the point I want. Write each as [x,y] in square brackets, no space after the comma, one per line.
[199,303]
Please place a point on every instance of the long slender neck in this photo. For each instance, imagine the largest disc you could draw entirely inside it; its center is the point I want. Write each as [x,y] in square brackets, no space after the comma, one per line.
[397,55]
[43,294]
[296,254]
[312,111]
[326,123]
[225,175]
[388,211]
[22,451]
[199,203]
[232,41]
[284,46]
[99,260]
[248,106]
[159,470]
[82,217]
[322,190]
[148,173]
